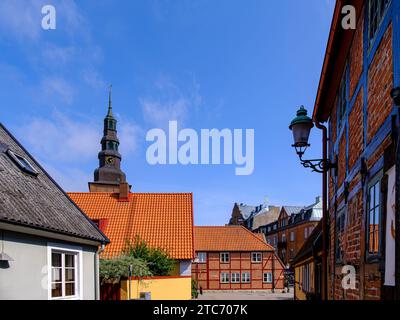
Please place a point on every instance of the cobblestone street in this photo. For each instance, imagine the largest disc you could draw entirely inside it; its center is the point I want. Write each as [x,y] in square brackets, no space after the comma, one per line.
[246,295]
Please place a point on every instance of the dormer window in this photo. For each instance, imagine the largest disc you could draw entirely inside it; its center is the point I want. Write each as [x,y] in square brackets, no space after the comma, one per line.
[22,163]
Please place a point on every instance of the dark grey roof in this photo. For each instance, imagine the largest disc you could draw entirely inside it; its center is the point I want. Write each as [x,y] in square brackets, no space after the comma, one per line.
[292,209]
[37,201]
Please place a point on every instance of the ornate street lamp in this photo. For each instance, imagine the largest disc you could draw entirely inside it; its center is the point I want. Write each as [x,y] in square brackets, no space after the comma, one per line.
[301,127]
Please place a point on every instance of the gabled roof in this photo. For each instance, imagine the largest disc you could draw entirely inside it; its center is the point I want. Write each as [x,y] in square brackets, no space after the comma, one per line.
[162,220]
[246,210]
[292,209]
[336,53]
[36,201]
[266,216]
[228,238]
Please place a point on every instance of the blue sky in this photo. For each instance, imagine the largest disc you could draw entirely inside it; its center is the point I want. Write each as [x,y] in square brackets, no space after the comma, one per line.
[205,63]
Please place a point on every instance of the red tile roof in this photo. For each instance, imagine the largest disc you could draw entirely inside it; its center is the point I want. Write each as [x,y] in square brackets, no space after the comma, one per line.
[162,220]
[228,238]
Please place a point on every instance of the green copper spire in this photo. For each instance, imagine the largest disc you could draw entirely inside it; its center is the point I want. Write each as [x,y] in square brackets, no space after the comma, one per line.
[109,114]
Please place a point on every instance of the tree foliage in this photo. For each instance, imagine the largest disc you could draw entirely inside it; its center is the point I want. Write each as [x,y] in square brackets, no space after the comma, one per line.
[158,260]
[112,270]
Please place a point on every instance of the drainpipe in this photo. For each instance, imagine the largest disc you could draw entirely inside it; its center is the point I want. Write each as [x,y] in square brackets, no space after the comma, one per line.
[395,94]
[325,215]
[96,272]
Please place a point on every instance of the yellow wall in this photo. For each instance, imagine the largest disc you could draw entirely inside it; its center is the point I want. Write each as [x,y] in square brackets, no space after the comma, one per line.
[298,274]
[162,288]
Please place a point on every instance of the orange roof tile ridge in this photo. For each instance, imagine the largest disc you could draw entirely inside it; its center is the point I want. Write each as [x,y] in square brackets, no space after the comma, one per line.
[258,239]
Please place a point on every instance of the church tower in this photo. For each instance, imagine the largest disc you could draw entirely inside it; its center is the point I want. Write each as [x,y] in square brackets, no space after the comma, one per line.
[108,177]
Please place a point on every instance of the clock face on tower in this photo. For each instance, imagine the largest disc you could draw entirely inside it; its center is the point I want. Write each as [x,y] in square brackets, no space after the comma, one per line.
[110,160]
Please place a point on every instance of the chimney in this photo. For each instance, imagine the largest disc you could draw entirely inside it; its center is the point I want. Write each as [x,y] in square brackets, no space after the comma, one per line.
[124,190]
[318,200]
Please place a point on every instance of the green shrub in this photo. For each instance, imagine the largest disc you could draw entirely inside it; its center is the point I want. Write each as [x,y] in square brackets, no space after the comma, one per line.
[158,260]
[195,290]
[112,270]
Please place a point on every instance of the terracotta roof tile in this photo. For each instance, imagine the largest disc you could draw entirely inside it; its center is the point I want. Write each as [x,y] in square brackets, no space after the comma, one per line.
[228,238]
[163,220]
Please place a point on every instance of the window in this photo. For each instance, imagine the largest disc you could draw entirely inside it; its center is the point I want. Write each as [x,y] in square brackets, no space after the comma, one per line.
[269,241]
[64,272]
[291,253]
[342,101]
[374,218]
[224,257]
[305,233]
[224,277]
[202,257]
[377,9]
[256,257]
[235,277]
[340,222]
[246,277]
[22,163]
[284,254]
[112,145]
[267,277]
[111,125]
[283,237]
[306,278]
[292,236]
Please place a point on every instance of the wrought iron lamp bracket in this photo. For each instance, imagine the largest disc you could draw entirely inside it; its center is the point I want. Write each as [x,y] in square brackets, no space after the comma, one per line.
[318,165]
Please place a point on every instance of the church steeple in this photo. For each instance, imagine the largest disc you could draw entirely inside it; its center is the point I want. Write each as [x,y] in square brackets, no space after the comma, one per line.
[108,176]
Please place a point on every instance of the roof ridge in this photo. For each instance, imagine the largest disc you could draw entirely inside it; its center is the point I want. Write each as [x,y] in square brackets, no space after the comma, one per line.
[132,193]
[258,239]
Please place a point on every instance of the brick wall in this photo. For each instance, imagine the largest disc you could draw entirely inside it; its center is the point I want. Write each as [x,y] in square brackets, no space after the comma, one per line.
[379,106]
[356,58]
[380,83]
[356,130]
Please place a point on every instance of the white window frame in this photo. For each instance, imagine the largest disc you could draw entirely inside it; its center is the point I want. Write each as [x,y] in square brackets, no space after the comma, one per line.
[246,279]
[66,249]
[224,254]
[224,277]
[203,259]
[292,236]
[267,279]
[235,277]
[256,254]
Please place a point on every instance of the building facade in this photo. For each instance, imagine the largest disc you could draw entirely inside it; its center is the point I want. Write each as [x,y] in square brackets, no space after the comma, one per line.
[360,69]
[233,258]
[307,266]
[49,248]
[292,228]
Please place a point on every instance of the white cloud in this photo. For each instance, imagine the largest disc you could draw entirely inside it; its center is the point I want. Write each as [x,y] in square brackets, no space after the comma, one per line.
[129,135]
[56,89]
[159,113]
[69,179]
[71,139]
[170,102]
[94,79]
[61,139]
[20,19]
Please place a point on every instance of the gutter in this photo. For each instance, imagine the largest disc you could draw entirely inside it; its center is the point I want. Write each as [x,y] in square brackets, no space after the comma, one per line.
[97,271]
